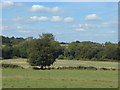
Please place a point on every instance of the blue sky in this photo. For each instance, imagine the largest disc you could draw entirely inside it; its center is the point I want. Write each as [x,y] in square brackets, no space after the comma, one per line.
[68,21]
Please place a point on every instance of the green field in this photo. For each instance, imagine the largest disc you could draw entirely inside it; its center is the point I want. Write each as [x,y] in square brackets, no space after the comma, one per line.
[23,63]
[23,78]
[28,78]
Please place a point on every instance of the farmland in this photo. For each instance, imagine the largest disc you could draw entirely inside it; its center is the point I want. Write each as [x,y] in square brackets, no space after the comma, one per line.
[59,45]
[28,78]
[17,78]
[23,63]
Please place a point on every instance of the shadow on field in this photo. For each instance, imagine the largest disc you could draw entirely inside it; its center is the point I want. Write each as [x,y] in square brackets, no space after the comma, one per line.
[79,67]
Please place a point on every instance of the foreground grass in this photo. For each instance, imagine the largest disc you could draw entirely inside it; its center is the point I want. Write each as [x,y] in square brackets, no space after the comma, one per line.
[25,78]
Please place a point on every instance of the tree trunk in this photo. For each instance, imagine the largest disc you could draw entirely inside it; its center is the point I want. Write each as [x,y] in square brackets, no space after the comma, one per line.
[42,67]
[45,67]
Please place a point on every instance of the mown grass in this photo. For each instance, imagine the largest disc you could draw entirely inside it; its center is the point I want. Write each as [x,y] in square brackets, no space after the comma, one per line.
[20,62]
[28,78]
[73,63]
[85,63]
[24,78]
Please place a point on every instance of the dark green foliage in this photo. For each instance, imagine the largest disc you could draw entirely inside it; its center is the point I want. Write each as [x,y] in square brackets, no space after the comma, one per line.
[61,57]
[111,51]
[19,47]
[10,66]
[89,50]
[20,50]
[44,51]
[119,51]
[7,52]
[14,47]
[16,52]
[47,36]
[11,41]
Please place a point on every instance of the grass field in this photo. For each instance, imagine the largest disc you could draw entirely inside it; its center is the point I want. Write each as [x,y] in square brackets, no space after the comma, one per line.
[28,78]
[23,78]
[23,63]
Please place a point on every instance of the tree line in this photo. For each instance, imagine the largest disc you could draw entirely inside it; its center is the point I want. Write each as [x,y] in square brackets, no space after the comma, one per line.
[46,47]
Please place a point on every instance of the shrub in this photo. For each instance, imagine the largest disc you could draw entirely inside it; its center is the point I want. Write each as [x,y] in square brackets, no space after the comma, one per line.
[10,66]
[104,68]
[61,57]
[15,57]
[92,68]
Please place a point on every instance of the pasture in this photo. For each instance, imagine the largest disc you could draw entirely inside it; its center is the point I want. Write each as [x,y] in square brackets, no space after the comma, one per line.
[28,78]
[23,78]
[23,63]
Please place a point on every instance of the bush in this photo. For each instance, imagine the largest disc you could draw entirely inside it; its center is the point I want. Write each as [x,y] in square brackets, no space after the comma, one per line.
[91,68]
[61,57]
[15,57]
[7,52]
[104,69]
[10,66]
[88,68]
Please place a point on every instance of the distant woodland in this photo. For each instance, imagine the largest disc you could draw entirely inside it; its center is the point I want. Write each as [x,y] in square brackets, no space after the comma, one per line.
[20,48]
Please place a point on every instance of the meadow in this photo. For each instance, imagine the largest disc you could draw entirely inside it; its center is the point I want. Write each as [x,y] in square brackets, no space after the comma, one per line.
[22,78]
[29,78]
[73,63]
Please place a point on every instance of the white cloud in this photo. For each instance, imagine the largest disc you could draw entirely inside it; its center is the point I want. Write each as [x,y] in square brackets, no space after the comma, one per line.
[18,18]
[79,29]
[6,4]
[110,24]
[68,19]
[23,19]
[23,31]
[19,27]
[42,18]
[92,17]
[58,33]
[30,19]
[56,19]
[9,4]
[85,26]
[3,27]
[41,8]
[114,31]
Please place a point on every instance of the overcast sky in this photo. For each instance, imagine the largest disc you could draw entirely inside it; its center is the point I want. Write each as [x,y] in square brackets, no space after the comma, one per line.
[83,21]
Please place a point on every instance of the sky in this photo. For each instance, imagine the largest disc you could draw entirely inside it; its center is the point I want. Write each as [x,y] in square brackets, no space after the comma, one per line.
[67,21]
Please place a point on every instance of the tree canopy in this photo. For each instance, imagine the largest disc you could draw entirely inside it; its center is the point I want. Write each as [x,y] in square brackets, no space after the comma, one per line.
[43,52]
[46,48]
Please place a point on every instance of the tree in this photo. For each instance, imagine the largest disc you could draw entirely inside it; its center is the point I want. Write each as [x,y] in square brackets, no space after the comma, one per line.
[7,52]
[111,51]
[11,41]
[20,50]
[43,52]
[47,36]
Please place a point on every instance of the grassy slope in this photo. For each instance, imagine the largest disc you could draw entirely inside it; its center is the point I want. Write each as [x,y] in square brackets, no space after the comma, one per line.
[23,78]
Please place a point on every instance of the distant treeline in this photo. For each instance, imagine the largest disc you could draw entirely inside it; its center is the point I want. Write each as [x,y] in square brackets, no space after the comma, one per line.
[17,48]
